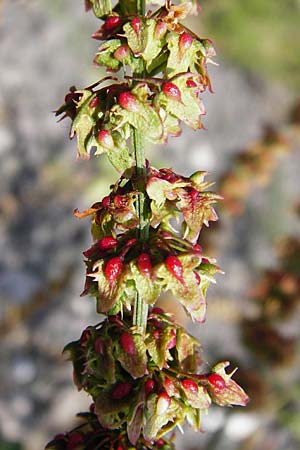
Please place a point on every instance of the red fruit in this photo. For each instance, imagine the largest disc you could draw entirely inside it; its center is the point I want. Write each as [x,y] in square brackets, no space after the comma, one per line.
[127,343]
[94,102]
[185,41]
[205,261]
[113,269]
[129,102]
[98,346]
[156,334]
[119,201]
[160,30]
[160,443]
[190,385]
[112,22]
[144,264]
[75,439]
[171,91]
[121,390]
[107,243]
[217,381]
[198,278]
[122,53]
[149,386]
[172,342]
[136,24]
[197,248]
[106,202]
[191,83]
[105,139]
[157,310]
[86,334]
[174,266]
[169,386]
[163,403]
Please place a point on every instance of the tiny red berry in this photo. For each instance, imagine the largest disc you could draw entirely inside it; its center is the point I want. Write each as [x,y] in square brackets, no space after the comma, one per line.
[144,264]
[174,266]
[113,269]
[122,53]
[160,443]
[156,334]
[121,390]
[205,261]
[136,24]
[190,385]
[160,30]
[149,386]
[129,102]
[171,91]
[106,202]
[94,102]
[107,243]
[112,22]
[163,403]
[157,310]
[105,139]
[191,83]
[197,248]
[185,41]
[217,381]
[127,343]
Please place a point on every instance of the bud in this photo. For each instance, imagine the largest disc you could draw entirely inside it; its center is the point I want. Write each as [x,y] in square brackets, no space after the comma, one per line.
[94,102]
[122,53]
[136,24]
[191,83]
[113,269]
[105,139]
[129,102]
[174,266]
[171,91]
[107,243]
[149,386]
[160,30]
[127,343]
[144,264]
[112,22]
[217,381]
[190,386]
[163,403]
[121,390]
[185,41]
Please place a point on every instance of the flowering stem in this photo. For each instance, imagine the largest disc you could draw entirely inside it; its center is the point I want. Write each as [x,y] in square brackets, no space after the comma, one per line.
[140,312]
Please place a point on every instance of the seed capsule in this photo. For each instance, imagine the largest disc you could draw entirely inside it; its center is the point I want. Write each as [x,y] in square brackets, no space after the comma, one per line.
[190,385]
[107,243]
[136,24]
[113,269]
[105,139]
[144,264]
[185,41]
[122,53]
[94,102]
[174,266]
[163,403]
[172,342]
[169,386]
[171,91]
[127,343]
[129,102]
[149,386]
[112,22]
[217,381]
[160,30]
[191,83]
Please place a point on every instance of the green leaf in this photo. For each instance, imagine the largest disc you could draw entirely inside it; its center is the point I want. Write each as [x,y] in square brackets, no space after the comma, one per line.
[154,423]
[83,123]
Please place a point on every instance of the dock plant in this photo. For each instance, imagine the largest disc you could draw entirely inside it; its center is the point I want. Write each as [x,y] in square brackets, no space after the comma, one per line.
[143,371]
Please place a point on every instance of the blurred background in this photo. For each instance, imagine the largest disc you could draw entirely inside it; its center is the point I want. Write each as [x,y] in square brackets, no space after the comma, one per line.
[250,148]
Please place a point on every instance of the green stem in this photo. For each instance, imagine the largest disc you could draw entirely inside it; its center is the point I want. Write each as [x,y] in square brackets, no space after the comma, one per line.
[140,312]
